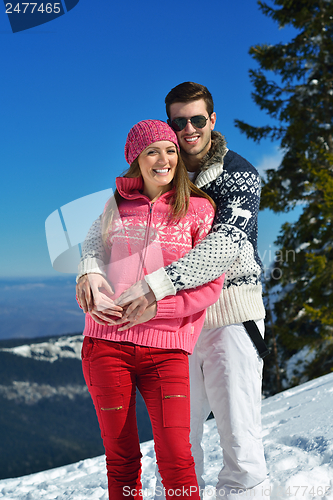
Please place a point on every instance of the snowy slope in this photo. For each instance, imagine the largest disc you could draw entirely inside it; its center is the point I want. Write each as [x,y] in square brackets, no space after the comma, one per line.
[67,346]
[298,438]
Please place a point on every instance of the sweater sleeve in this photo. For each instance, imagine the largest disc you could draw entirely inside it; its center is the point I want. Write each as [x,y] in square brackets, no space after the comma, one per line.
[188,302]
[94,255]
[236,193]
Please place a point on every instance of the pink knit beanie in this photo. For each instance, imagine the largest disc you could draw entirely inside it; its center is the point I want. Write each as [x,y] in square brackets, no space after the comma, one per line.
[144,133]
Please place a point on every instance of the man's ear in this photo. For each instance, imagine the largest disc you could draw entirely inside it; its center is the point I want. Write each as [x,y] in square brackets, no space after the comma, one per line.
[212,120]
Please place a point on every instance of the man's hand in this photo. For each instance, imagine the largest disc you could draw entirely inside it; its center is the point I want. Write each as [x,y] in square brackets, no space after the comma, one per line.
[89,294]
[139,298]
[136,291]
[139,311]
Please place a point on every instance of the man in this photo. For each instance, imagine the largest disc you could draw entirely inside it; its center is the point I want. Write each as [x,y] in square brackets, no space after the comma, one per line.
[225,368]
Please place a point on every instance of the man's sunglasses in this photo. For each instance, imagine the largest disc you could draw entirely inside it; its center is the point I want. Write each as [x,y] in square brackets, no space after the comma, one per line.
[178,124]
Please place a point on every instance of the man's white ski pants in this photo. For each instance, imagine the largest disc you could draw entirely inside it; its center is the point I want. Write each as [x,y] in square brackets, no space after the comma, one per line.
[226,378]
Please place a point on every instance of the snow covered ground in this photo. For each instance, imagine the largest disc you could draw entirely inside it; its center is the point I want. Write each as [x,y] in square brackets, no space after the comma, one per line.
[298,438]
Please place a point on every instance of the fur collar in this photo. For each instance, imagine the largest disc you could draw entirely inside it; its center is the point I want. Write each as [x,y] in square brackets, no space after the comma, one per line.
[216,153]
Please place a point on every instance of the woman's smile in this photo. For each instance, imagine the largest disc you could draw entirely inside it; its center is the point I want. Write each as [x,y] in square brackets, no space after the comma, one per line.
[158,164]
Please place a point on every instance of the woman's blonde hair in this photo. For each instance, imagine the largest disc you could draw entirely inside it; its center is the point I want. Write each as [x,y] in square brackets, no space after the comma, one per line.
[179,202]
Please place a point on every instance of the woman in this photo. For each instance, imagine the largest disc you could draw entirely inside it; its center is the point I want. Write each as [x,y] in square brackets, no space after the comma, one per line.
[160,216]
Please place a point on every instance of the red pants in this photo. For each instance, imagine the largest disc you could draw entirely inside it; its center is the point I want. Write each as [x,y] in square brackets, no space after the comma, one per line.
[112,372]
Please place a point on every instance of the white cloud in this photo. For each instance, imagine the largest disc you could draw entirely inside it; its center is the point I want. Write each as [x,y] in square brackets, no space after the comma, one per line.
[271,161]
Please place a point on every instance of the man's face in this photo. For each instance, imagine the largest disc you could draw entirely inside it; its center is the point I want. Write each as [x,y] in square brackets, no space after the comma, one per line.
[194,142]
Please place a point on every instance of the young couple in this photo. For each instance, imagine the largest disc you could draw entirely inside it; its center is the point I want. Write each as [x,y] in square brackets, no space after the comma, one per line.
[142,336]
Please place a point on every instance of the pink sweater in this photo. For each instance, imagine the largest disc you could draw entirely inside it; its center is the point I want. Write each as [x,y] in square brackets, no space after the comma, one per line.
[142,239]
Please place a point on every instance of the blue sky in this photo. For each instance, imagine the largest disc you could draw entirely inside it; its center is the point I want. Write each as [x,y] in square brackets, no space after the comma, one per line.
[72,88]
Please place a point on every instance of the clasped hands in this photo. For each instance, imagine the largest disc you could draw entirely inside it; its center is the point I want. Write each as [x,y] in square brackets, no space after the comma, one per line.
[134,306]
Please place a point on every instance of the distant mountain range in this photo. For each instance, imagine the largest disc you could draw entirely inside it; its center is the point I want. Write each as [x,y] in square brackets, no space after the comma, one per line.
[38,307]
[47,418]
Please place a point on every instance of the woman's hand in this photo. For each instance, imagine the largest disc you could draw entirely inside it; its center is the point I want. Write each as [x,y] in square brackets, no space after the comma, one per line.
[137,298]
[134,318]
[139,311]
[103,318]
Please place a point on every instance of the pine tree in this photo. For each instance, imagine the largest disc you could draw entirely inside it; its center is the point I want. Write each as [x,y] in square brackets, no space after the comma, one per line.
[299,100]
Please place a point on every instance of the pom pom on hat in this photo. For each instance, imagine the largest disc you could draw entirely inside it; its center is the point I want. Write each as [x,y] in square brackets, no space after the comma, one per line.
[145,133]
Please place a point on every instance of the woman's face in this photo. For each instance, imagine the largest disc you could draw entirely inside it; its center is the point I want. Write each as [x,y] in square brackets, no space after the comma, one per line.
[158,164]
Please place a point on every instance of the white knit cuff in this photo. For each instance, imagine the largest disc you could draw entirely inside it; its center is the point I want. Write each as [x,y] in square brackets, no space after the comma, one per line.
[235,305]
[160,283]
[90,265]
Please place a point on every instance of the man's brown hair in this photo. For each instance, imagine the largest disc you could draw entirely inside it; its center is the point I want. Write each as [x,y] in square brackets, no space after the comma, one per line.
[187,92]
